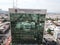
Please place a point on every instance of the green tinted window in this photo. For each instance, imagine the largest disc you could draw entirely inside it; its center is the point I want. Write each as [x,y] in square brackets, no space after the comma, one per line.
[27,27]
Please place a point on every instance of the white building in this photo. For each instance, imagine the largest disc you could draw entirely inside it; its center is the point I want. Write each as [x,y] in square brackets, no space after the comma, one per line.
[55,28]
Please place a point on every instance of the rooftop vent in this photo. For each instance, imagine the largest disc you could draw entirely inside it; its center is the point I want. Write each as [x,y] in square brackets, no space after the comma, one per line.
[15,10]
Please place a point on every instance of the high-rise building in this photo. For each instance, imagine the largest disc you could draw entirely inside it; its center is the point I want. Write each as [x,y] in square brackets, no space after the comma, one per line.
[27,25]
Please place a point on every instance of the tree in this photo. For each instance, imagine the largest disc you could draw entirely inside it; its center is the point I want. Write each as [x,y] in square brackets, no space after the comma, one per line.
[49,31]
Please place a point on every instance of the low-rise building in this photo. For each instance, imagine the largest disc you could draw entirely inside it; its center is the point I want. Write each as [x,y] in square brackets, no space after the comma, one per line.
[54,26]
[5,31]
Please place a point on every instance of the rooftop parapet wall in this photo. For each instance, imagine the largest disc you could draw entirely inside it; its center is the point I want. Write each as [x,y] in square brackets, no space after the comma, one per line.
[28,11]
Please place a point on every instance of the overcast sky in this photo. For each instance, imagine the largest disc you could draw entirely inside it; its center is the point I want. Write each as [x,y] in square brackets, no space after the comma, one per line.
[50,5]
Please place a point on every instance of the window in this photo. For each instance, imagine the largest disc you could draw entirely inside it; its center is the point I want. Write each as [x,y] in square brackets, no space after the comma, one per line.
[26,25]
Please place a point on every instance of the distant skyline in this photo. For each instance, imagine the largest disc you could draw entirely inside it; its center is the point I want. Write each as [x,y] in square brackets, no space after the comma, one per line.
[50,5]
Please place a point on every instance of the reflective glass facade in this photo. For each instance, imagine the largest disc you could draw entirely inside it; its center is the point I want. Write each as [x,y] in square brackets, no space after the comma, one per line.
[27,28]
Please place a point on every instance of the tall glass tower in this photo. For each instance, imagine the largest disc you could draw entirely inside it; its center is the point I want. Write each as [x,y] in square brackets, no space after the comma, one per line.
[27,25]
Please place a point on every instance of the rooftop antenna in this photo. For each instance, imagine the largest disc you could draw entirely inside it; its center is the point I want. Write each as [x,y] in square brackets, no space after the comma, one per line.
[14,3]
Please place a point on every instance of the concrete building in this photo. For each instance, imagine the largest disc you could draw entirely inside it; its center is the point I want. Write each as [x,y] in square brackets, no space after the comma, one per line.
[27,25]
[53,16]
[55,28]
[5,31]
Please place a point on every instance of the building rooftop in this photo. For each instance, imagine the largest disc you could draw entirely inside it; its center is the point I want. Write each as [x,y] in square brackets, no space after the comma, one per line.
[56,23]
[35,11]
